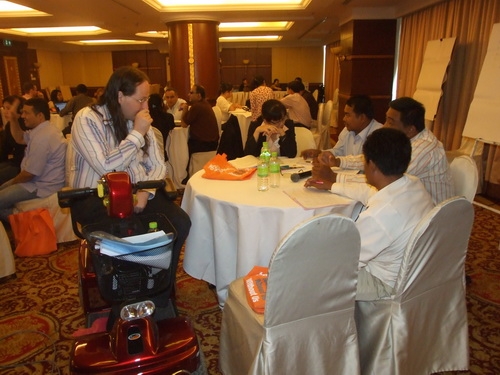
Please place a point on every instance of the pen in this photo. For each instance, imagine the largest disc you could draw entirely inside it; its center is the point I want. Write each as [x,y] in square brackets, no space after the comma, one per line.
[318,182]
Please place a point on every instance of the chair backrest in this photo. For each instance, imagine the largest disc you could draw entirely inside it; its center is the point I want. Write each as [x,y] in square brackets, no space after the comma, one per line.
[327,113]
[313,270]
[436,251]
[465,176]
[304,138]
[218,116]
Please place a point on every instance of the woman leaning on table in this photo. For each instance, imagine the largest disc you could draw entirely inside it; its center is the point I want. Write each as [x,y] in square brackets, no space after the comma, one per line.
[274,127]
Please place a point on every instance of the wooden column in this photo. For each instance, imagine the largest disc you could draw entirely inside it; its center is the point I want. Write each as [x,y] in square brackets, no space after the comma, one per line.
[194,56]
[367,63]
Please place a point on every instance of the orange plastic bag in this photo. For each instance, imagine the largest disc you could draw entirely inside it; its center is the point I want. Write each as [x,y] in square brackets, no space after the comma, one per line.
[256,288]
[220,169]
[34,232]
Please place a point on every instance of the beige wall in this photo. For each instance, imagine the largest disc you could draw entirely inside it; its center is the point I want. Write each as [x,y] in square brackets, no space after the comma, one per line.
[70,68]
[304,62]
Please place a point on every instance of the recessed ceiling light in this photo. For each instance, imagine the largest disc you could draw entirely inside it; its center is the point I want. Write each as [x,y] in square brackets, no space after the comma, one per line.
[9,9]
[102,42]
[153,34]
[256,38]
[252,26]
[63,30]
[203,5]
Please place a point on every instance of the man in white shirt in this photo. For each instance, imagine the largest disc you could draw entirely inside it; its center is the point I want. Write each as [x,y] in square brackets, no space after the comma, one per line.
[428,158]
[395,203]
[359,123]
[298,109]
[173,103]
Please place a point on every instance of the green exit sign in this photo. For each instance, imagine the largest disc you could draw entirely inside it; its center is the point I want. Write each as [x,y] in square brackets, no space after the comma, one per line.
[7,43]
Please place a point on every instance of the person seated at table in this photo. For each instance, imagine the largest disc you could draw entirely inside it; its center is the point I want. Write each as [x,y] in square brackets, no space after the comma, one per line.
[258,96]
[273,127]
[359,123]
[173,104]
[203,127]
[115,134]
[428,158]
[298,109]
[245,85]
[55,97]
[43,166]
[395,203]
[11,152]
[226,91]
[276,85]
[311,102]
[162,120]
[77,102]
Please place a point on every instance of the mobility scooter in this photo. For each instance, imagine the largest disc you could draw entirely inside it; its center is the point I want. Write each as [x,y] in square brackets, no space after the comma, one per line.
[144,333]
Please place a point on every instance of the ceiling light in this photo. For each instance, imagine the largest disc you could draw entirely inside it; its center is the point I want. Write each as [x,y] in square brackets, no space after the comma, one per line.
[9,9]
[63,30]
[103,42]
[153,34]
[261,26]
[257,38]
[224,5]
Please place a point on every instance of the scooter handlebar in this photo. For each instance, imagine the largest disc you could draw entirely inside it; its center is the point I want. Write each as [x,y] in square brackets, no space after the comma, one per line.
[65,196]
[153,184]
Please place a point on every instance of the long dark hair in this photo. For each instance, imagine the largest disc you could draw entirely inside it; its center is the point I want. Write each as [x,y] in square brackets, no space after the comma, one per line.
[124,79]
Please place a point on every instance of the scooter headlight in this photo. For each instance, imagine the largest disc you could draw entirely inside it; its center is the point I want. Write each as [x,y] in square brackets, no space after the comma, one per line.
[137,310]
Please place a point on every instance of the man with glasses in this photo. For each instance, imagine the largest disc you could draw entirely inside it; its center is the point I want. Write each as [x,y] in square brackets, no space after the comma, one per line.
[115,134]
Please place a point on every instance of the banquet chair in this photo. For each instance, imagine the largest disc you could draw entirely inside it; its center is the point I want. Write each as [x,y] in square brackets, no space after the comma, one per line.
[218,116]
[308,325]
[422,328]
[465,176]
[199,159]
[304,138]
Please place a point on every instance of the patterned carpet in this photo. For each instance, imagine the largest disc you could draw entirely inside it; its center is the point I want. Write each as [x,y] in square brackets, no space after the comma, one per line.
[40,310]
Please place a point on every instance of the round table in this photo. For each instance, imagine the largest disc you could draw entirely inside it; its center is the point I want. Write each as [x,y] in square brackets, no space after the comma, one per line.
[235,227]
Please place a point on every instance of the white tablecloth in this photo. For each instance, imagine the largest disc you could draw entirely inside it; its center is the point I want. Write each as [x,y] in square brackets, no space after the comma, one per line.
[60,122]
[235,227]
[178,155]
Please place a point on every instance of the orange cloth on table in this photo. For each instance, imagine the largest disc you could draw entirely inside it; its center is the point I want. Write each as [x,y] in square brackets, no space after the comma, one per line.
[220,169]
[256,288]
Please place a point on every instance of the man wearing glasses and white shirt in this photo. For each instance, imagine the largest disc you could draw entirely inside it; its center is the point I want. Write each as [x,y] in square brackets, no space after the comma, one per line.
[173,103]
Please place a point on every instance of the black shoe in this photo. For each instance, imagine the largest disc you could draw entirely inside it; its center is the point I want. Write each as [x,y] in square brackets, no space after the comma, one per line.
[185,181]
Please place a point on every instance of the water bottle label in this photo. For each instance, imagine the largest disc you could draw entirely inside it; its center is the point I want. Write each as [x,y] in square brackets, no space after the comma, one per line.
[274,168]
[262,170]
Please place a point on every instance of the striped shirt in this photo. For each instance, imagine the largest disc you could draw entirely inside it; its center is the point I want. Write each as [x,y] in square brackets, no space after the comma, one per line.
[94,151]
[428,162]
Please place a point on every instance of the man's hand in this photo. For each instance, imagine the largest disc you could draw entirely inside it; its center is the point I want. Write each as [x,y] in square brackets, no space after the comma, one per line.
[142,121]
[310,153]
[323,172]
[318,184]
[328,159]
[142,200]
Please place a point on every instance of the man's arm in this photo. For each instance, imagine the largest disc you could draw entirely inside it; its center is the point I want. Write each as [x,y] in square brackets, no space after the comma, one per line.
[23,176]
[15,128]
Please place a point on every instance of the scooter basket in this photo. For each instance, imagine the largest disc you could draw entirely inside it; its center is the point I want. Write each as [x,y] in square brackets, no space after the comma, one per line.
[140,274]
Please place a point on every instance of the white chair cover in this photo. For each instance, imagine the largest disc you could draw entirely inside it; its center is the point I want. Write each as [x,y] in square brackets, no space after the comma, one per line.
[199,159]
[465,176]
[423,328]
[218,116]
[304,138]
[308,326]
[7,265]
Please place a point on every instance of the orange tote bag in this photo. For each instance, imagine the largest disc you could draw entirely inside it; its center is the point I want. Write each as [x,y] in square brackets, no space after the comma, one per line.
[34,232]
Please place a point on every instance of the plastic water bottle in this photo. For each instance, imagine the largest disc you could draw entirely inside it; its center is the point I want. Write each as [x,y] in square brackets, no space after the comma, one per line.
[153,226]
[262,175]
[274,170]
[265,153]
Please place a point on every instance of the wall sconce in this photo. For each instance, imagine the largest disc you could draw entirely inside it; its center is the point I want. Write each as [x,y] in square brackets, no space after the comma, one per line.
[37,65]
[246,61]
[135,65]
[336,50]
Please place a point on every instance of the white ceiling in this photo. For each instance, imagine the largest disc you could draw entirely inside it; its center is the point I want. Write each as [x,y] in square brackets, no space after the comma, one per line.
[318,24]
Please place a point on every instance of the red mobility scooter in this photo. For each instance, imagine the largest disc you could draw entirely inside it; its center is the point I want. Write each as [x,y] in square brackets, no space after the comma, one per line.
[140,337]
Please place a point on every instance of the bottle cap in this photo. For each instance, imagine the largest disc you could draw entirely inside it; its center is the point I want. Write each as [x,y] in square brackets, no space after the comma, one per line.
[153,225]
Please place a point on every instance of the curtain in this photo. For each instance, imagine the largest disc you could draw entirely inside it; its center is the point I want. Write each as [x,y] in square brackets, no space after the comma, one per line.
[470,22]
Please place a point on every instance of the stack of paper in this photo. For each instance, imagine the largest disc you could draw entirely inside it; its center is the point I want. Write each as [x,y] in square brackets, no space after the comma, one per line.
[116,246]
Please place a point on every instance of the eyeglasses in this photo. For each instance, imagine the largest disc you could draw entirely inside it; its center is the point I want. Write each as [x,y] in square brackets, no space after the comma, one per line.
[145,99]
